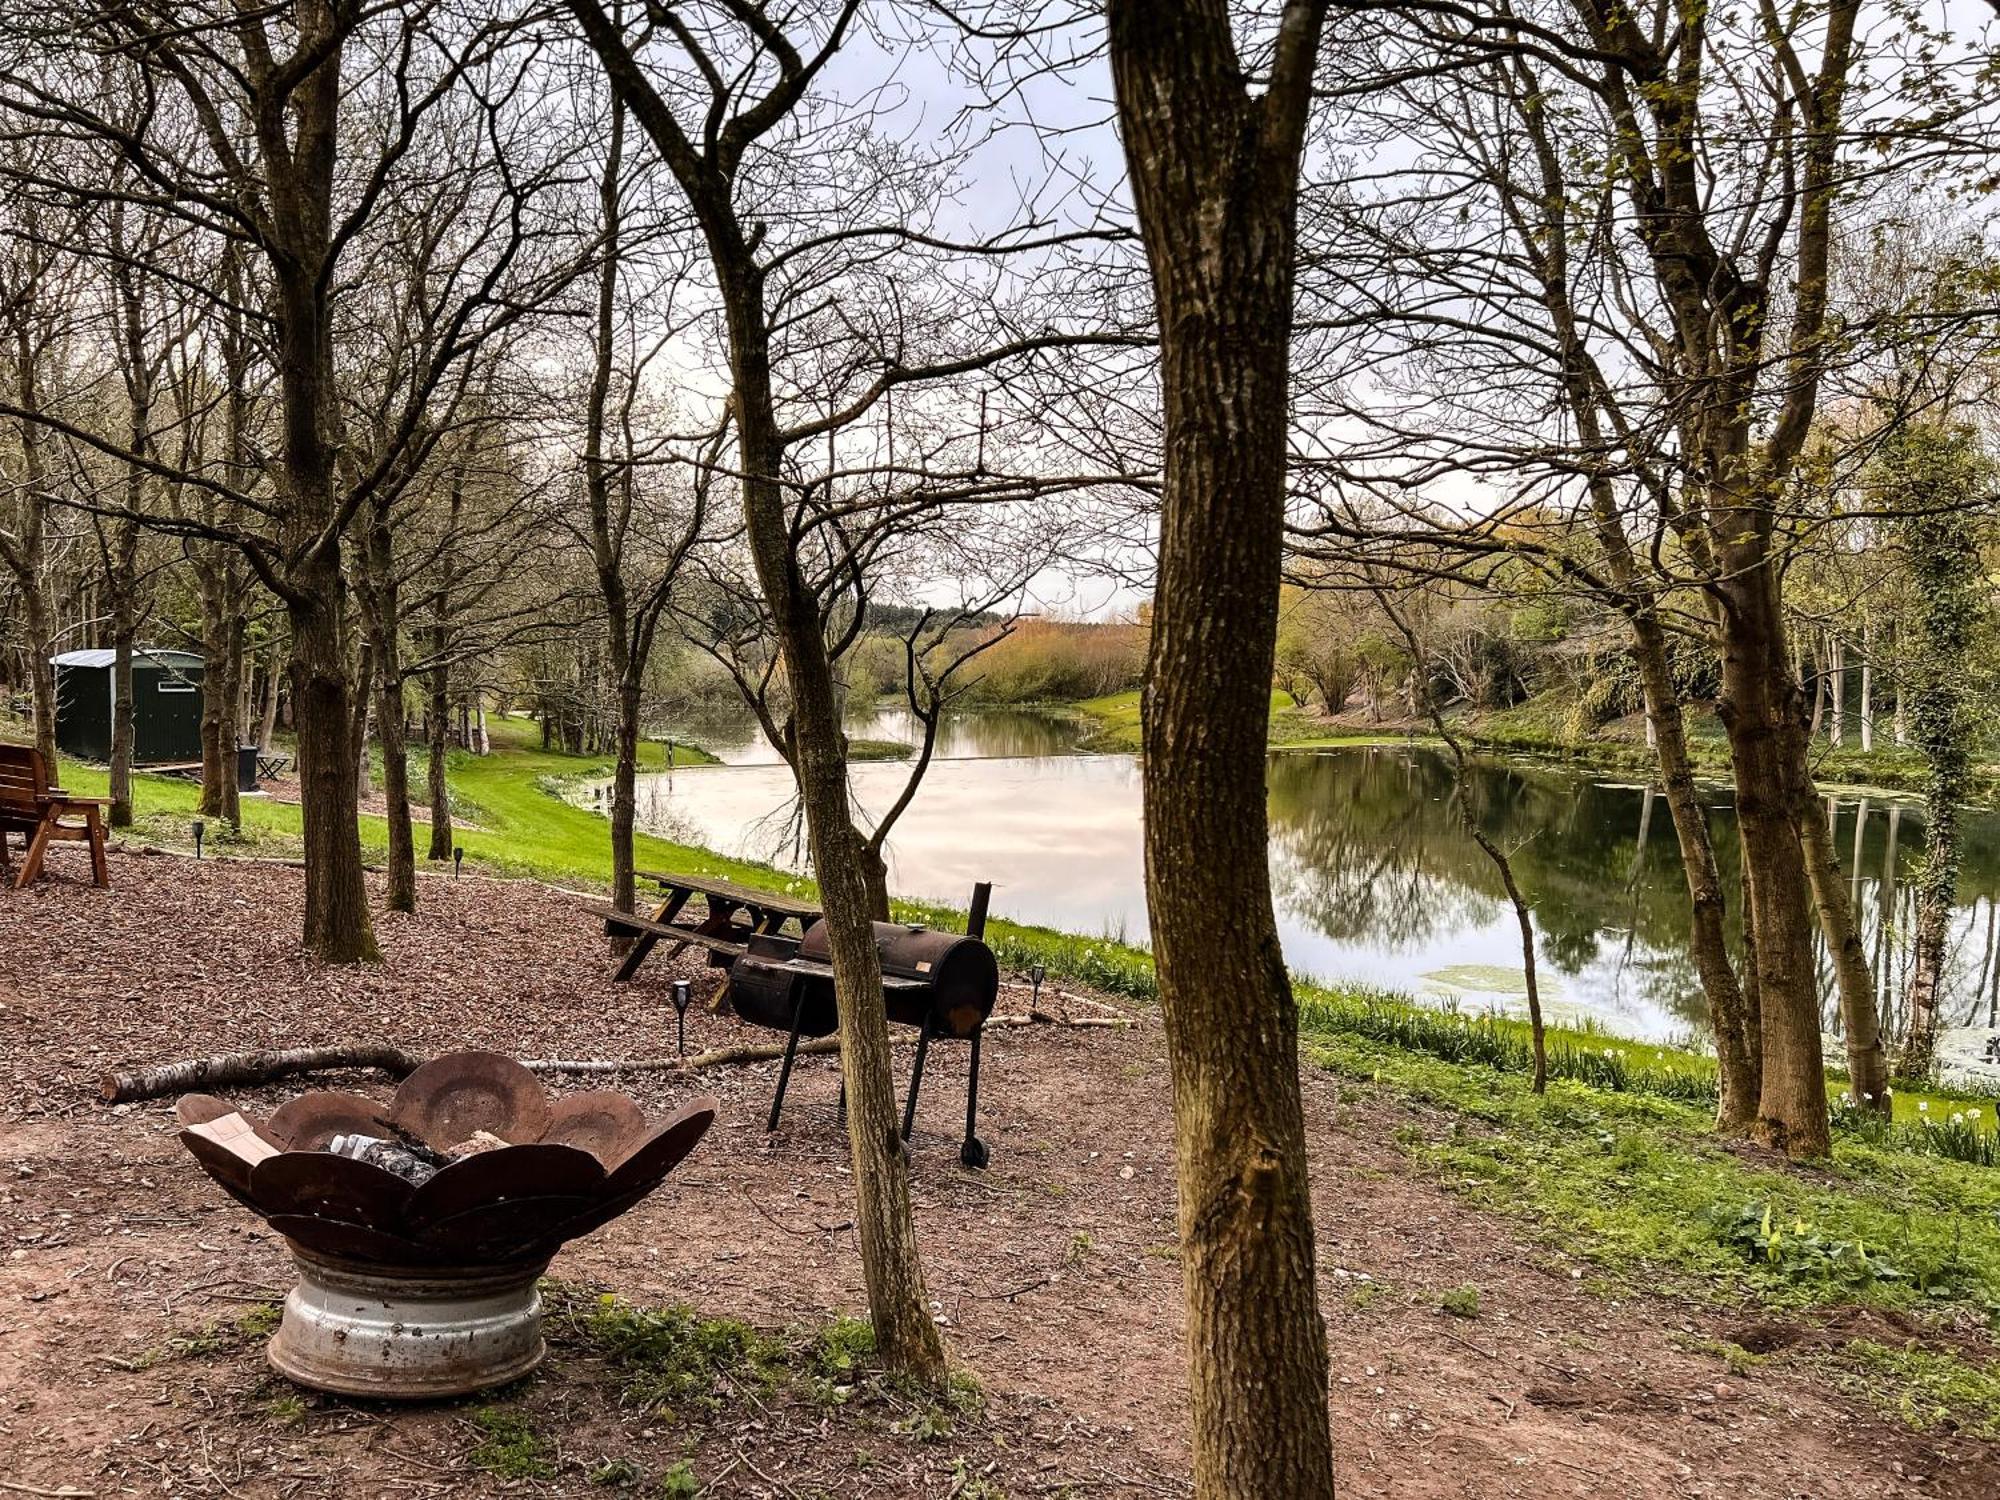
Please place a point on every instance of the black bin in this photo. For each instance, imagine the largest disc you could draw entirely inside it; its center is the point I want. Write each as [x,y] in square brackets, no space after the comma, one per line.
[246,768]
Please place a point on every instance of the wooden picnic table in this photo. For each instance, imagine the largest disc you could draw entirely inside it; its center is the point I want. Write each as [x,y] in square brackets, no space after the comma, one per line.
[733,915]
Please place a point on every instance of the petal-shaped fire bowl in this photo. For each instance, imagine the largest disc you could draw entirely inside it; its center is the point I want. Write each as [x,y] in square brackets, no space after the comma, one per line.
[419,1230]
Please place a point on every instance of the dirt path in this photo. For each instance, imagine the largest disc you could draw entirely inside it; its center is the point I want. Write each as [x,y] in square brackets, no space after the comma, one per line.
[1054,1271]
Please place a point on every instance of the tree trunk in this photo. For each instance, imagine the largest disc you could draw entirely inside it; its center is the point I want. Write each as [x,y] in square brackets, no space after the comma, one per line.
[1215,180]
[624,792]
[1867,688]
[40,645]
[1860,1021]
[1732,1018]
[402,867]
[1837,723]
[905,1334]
[437,726]
[26,555]
[337,926]
[1819,696]
[232,724]
[382,606]
[1763,713]
[123,739]
[875,870]
[274,678]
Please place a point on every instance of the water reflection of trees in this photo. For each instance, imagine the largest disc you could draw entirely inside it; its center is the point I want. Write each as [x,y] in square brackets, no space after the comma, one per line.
[1368,852]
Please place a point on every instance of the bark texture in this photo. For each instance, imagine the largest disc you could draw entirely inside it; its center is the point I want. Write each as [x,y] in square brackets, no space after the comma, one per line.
[1215,172]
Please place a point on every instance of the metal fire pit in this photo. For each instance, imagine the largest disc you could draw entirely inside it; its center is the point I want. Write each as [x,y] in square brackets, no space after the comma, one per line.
[419,1230]
[942,983]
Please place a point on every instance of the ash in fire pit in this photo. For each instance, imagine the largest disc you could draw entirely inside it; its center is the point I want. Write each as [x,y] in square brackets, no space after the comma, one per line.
[420,1230]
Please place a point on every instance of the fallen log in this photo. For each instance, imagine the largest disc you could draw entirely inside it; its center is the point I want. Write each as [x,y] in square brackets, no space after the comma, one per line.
[1075,1023]
[247,1069]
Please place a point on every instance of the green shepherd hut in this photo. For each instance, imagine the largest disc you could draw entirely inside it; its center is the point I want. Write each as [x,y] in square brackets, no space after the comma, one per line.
[166,705]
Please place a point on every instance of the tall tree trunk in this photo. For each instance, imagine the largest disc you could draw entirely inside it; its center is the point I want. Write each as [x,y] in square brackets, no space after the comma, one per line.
[232,707]
[337,924]
[1819,695]
[382,608]
[437,727]
[274,678]
[325,700]
[1860,1022]
[624,793]
[1733,1019]
[1763,712]
[905,1333]
[906,1336]
[124,633]
[402,867]
[1837,723]
[1942,471]
[1867,687]
[218,688]
[1215,171]
[26,555]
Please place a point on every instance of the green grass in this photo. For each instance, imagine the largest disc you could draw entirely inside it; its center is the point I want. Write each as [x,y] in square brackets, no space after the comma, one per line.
[1114,721]
[510,1447]
[1927,1388]
[671,1360]
[254,1325]
[1637,1184]
[513,797]
[864,749]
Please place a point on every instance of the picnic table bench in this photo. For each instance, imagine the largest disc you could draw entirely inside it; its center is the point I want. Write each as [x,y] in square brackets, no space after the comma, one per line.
[31,806]
[272,767]
[732,915]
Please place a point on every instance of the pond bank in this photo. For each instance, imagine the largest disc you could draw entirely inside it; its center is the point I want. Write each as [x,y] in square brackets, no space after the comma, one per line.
[1532,731]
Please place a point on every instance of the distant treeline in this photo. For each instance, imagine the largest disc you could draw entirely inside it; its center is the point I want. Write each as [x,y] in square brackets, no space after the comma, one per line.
[1034,661]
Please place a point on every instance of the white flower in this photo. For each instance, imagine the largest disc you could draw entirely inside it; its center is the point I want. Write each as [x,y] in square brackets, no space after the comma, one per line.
[1957,1118]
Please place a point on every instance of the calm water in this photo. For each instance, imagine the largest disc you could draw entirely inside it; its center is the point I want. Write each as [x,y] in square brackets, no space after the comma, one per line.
[1374,878]
[989,734]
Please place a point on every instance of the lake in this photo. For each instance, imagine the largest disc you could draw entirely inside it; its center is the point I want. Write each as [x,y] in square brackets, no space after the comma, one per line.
[1374,878]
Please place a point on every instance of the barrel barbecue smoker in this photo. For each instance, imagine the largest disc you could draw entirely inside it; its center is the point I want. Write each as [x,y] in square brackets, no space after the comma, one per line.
[942,983]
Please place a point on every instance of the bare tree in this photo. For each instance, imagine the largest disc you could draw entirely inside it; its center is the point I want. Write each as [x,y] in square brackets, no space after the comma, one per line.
[252,134]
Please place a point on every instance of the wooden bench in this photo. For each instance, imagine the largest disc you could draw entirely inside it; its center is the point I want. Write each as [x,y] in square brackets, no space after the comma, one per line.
[762,913]
[617,922]
[32,807]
